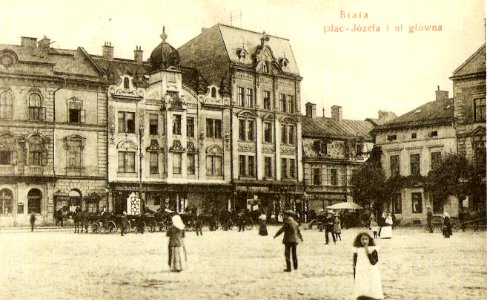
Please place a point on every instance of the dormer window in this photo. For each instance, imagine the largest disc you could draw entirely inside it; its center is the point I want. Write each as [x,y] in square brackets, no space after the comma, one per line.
[265,67]
[434,134]
[413,135]
[213,92]
[392,137]
[126,83]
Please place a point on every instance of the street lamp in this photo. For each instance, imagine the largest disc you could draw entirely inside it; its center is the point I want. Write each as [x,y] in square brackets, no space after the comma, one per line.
[141,135]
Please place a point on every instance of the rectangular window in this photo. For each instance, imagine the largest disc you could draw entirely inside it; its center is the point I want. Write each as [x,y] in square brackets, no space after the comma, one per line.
[394,165]
[479,152]
[284,173]
[292,168]
[176,126]
[360,148]
[435,159]
[268,167]
[126,122]
[190,126]
[392,137]
[324,147]
[292,134]
[417,203]
[242,165]
[153,124]
[333,177]
[74,112]
[126,162]
[241,130]
[413,135]
[250,130]
[396,206]
[479,110]
[191,164]
[74,154]
[240,96]
[414,162]
[316,176]
[251,166]
[284,135]
[267,100]
[5,157]
[267,132]
[36,155]
[177,162]
[282,102]
[154,163]
[250,98]
[214,128]
[290,101]
[434,133]
[217,162]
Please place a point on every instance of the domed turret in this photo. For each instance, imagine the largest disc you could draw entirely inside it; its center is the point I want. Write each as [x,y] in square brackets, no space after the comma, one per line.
[164,55]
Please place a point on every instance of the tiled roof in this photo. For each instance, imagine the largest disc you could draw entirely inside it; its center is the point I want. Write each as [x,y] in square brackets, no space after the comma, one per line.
[474,64]
[63,63]
[340,129]
[377,122]
[439,112]
[212,51]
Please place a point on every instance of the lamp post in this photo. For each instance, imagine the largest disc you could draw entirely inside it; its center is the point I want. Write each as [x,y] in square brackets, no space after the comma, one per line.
[141,135]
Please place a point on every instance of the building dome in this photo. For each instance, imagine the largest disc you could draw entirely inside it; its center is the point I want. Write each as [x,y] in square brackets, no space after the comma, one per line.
[164,55]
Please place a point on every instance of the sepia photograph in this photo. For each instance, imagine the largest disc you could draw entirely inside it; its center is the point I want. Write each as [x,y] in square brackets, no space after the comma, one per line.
[210,149]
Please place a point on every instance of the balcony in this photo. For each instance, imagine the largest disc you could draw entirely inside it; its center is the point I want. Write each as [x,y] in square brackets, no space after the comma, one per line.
[35,170]
[6,169]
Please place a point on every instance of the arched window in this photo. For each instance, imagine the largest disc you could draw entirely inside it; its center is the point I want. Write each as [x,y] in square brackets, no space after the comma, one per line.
[6,202]
[36,111]
[34,198]
[6,105]
[213,92]
[126,83]
[74,198]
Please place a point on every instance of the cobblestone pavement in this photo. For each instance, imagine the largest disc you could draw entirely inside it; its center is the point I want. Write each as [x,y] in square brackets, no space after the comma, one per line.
[231,265]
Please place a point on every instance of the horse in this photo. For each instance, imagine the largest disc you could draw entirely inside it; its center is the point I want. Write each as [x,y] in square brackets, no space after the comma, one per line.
[79,219]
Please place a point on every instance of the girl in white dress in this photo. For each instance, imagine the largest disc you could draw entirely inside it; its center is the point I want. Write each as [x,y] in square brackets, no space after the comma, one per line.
[367,283]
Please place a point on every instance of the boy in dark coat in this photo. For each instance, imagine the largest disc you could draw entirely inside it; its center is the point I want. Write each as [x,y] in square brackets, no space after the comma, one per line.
[330,226]
[292,237]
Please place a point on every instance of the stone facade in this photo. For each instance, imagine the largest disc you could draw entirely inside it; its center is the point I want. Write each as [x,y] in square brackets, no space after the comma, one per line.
[47,139]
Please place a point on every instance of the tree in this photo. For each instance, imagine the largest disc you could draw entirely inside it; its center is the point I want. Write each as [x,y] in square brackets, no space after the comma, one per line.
[454,175]
[368,183]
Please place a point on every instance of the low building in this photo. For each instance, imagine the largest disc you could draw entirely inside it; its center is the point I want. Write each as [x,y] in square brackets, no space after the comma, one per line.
[411,144]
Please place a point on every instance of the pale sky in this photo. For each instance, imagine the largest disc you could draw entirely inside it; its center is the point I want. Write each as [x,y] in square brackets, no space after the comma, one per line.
[361,71]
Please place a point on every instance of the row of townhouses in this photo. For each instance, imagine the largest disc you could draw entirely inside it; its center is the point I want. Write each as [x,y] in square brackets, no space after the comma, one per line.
[214,123]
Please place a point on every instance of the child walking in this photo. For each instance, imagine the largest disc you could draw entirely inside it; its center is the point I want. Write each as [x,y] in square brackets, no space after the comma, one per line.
[367,281]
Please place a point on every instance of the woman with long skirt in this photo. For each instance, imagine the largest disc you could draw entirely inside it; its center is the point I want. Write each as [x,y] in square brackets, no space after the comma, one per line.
[176,242]
[262,224]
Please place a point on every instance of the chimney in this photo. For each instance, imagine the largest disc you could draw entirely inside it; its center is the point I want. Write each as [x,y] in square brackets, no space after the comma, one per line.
[28,42]
[138,54]
[107,50]
[323,112]
[45,43]
[441,95]
[310,110]
[386,115]
[336,112]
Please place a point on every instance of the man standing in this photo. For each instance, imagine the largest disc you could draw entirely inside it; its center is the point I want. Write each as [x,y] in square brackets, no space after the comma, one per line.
[292,237]
[241,221]
[429,218]
[32,221]
[329,226]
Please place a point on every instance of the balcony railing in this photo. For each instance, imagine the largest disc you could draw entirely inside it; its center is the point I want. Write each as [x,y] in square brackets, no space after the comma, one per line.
[37,113]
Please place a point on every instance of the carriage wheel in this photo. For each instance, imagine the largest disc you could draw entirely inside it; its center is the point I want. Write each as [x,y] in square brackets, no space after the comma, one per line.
[110,227]
[94,227]
[249,224]
[152,226]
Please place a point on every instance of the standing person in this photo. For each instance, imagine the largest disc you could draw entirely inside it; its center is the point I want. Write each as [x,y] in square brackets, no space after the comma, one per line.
[337,228]
[367,281]
[198,224]
[446,225]
[241,221]
[382,221]
[292,237]
[32,221]
[262,224]
[124,224]
[429,219]
[176,242]
[329,226]
[386,232]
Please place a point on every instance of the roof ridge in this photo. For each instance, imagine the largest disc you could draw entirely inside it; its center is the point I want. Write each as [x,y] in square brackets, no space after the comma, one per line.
[468,59]
[248,30]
